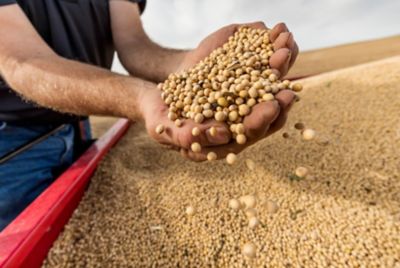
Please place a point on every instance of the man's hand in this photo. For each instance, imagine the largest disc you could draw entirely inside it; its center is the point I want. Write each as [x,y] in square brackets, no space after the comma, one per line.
[265,118]
[155,112]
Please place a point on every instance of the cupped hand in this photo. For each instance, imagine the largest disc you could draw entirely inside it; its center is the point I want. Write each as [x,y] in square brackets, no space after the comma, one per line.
[155,112]
[265,119]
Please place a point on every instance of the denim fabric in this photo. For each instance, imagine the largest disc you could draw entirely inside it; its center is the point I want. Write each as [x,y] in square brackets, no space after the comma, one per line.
[25,176]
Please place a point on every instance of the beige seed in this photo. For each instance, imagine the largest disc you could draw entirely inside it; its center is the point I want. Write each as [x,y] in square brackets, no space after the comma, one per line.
[268,97]
[199,118]
[190,211]
[244,109]
[211,156]
[172,116]
[178,123]
[233,116]
[231,158]
[222,102]
[248,201]
[297,87]
[241,139]
[234,204]
[239,128]
[308,134]
[249,250]
[220,116]
[253,92]
[213,131]
[272,77]
[253,222]
[195,131]
[250,164]
[196,147]
[301,172]
[208,113]
[160,129]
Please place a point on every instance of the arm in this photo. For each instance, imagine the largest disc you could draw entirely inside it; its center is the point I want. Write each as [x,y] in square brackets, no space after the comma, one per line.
[138,53]
[38,74]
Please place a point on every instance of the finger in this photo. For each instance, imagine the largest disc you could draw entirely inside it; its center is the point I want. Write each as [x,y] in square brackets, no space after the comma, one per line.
[256,126]
[286,99]
[284,40]
[293,57]
[258,121]
[277,30]
[280,60]
[222,136]
[183,137]
[256,25]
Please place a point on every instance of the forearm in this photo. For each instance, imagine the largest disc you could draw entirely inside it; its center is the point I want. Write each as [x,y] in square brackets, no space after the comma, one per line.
[72,87]
[150,61]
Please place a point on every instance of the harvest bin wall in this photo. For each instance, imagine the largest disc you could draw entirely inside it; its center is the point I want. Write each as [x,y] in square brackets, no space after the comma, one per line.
[27,240]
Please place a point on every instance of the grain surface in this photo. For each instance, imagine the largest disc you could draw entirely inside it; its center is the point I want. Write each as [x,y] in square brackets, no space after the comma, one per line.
[346,212]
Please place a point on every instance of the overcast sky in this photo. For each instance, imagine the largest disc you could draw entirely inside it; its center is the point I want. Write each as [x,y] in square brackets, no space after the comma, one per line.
[314,23]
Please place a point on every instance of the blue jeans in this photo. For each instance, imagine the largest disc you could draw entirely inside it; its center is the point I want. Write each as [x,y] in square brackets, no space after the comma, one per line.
[25,176]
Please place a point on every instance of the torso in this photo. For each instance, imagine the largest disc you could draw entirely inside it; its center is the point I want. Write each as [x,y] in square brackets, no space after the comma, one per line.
[74,29]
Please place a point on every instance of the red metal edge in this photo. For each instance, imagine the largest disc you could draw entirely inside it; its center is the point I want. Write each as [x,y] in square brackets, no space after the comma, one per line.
[26,241]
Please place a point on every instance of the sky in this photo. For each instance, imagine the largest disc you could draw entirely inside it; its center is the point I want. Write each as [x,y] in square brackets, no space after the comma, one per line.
[314,23]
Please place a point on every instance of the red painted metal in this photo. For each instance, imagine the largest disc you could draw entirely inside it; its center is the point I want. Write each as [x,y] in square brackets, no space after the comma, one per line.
[26,241]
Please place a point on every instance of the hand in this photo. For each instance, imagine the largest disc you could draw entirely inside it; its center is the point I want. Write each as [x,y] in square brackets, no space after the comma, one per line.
[285,47]
[266,118]
[155,112]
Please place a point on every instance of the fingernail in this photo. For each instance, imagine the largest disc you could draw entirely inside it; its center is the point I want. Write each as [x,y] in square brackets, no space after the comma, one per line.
[221,137]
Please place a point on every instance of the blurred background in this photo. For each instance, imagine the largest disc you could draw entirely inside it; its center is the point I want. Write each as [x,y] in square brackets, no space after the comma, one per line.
[315,23]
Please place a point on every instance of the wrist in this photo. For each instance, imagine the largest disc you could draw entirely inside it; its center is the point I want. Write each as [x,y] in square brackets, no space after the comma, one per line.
[186,61]
[146,105]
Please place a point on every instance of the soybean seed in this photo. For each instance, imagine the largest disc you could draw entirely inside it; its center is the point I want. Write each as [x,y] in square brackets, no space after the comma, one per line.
[241,139]
[160,129]
[196,147]
[178,123]
[213,131]
[308,134]
[249,250]
[297,87]
[190,210]
[211,156]
[301,172]
[231,158]
[253,222]
[234,204]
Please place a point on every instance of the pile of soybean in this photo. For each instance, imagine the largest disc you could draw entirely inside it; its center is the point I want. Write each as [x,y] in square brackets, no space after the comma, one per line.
[148,207]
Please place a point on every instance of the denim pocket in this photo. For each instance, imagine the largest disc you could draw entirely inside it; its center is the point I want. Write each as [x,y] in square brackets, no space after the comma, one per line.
[66,135]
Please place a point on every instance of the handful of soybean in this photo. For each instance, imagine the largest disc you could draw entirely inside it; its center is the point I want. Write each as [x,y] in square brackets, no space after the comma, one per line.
[226,85]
